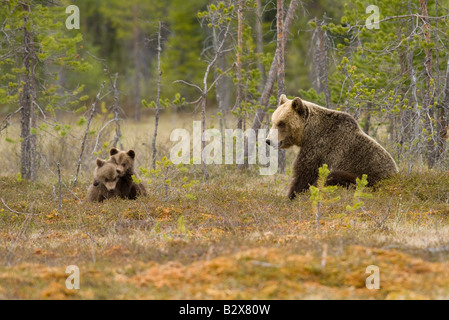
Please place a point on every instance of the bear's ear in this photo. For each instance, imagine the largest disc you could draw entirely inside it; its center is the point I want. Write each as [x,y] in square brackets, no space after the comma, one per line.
[113,151]
[100,162]
[283,99]
[131,153]
[299,106]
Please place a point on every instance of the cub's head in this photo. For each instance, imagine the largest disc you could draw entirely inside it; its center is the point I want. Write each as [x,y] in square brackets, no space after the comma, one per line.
[288,120]
[106,174]
[123,160]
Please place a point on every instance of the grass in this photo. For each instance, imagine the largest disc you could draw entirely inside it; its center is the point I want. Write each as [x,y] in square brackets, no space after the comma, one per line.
[235,236]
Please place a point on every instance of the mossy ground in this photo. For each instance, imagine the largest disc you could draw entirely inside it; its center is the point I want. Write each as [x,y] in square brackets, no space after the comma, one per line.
[235,236]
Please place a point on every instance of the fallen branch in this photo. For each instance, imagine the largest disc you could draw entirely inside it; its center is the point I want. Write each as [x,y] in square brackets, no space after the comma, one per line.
[14,211]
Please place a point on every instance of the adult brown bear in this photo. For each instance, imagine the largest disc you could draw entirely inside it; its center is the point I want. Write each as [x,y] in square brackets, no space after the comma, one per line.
[327,137]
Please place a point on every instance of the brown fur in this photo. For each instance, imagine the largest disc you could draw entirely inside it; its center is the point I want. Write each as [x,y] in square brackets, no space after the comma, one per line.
[105,182]
[341,178]
[125,169]
[327,137]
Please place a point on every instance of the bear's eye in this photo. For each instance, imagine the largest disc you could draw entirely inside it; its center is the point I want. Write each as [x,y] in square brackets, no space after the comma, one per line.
[281,124]
[106,180]
[123,164]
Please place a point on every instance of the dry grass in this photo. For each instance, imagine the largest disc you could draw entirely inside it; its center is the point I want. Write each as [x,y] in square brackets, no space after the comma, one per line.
[232,237]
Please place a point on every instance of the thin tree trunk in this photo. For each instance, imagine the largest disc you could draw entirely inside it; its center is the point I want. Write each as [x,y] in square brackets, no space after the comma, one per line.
[281,68]
[367,125]
[27,98]
[159,74]
[86,132]
[322,65]
[116,111]
[238,103]
[405,129]
[219,89]
[264,99]
[269,84]
[443,120]
[137,101]
[259,41]
[428,98]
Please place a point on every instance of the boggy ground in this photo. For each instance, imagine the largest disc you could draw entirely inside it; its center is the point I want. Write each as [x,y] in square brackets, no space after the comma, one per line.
[232,237]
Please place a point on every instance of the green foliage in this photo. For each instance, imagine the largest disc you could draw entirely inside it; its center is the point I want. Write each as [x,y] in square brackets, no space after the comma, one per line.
[359,194]
[320,194]
[182,226]
[166,174]
[56,50]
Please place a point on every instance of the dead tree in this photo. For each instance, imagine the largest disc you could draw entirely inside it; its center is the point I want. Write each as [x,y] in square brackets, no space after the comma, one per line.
[443,120]
[428,96]
[271,78]
[83,143]
[116,111]
[158,97]
[205,89]
[281,68]
[321,63]
[238,102]
[27,102]
[259,39]
[136,51]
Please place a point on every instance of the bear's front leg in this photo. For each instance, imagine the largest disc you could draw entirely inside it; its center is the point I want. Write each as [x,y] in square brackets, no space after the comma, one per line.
[305,173]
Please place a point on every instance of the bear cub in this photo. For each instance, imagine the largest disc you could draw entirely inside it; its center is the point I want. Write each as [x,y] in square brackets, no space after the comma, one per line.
[113,178]
[105,182]
[125,169]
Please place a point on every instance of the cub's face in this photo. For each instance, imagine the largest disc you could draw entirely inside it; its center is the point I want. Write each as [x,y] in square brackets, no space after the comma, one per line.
[123,160]
[288,122]
[106,174]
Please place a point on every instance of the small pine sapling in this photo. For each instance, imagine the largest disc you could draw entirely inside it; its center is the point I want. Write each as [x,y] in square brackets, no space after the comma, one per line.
[320,194]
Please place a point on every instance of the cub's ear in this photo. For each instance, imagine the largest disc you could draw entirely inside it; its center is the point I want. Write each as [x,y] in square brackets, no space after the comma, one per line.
[100,162]
[131,153]
[299,106]
[283,99]
[96,183]
[113,151]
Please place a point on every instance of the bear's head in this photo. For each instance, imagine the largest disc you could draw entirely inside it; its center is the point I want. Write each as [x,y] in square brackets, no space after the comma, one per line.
[289,119]
[123,160]
[106,174]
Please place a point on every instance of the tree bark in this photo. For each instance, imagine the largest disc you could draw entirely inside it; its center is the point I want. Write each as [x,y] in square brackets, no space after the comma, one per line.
[443,121]
[264,99]
[238,103]
[159,74]
[136,35]
[27,100]
[281,68]
[219,89]
[259,39]
[428,97]
[116,111]
[322,65]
